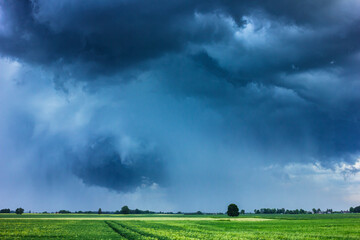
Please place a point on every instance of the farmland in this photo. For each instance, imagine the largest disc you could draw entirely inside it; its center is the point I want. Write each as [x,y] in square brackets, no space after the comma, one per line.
[91,226]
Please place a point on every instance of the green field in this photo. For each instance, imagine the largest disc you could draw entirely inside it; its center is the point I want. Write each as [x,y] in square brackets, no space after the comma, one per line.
[91,226]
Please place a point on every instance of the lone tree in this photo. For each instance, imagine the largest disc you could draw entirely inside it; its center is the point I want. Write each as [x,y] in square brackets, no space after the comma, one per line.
[233,210]
[99,211]
[19,211]
[125,210]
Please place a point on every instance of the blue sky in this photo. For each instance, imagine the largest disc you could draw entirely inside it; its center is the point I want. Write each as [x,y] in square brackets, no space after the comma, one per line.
[179,105]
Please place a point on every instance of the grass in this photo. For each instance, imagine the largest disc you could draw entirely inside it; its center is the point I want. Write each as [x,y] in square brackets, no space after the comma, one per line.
[68,226]
[82,215]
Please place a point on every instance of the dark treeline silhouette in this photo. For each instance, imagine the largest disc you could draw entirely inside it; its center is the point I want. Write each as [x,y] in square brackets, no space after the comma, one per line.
[124,210]
[355,209]
[64,211]
[88,212]
[5,210]
[127,210]
[233,210]
[280,211]
[296,211]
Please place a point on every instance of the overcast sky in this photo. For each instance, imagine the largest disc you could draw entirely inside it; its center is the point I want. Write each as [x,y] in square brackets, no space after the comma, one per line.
[183,105]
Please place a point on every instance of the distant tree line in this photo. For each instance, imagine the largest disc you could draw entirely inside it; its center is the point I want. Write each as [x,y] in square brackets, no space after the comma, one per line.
[279,211]
[124,210]
[64,211]
[127,210]
[288,211]
[86,212]
[5,210]
[17,211]
[355,209]
[233,210]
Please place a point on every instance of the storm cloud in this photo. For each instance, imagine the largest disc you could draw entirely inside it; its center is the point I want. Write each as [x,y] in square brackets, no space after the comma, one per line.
[168,103]
[102,165]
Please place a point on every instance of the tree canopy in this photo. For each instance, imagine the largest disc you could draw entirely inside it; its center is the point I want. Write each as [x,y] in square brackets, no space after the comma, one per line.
[5,210]
[19,211]
[233,210]
[125,210]
[355,209]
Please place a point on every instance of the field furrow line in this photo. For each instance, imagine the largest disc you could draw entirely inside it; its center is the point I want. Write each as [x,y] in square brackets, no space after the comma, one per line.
[116,230]
[130,233]
[145,234]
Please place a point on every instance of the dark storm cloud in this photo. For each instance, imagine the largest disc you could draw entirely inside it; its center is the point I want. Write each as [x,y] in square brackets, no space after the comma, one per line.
[101,164]
[222,89]
[105,37]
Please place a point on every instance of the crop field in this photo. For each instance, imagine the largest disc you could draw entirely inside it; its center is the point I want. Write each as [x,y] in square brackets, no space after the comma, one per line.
[91,226]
